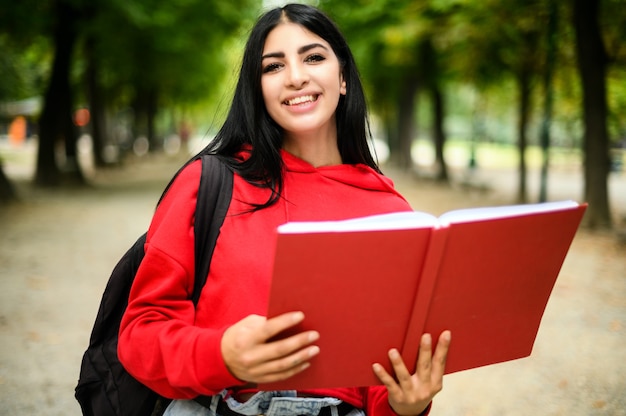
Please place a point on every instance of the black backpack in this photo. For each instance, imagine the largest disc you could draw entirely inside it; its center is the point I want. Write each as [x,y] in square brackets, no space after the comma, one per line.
[104,387]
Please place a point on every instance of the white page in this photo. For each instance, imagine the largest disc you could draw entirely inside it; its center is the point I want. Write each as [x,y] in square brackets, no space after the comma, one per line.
[476,214]
[392,221]
[416,219]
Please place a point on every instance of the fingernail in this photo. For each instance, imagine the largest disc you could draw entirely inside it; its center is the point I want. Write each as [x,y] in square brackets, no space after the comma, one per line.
[314,336]
[393,353]
[297,316]
[314,350]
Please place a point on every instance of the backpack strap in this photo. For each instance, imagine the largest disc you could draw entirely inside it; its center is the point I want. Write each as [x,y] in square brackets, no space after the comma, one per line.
[214,195]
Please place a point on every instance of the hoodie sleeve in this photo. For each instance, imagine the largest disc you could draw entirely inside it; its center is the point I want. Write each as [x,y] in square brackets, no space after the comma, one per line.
[158,342]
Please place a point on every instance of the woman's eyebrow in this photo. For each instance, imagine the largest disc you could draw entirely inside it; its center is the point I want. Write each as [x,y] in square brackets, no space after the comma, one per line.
[307,48]
[301,50]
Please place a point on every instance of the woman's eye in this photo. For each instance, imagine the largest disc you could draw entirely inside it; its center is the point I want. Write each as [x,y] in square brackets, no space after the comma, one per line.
[315,58]
[271,67]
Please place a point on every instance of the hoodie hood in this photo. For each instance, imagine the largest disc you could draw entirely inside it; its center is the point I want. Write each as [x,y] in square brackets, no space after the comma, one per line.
[358,175]
[335,192]
[325,193]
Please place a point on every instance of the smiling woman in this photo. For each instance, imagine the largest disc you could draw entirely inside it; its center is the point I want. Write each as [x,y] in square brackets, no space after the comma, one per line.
[296,137]
[302,82]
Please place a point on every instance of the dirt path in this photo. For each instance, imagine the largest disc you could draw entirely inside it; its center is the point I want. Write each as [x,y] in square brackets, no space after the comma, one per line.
[57,250]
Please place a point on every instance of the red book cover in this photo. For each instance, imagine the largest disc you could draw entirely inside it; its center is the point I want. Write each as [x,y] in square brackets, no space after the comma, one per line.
[493,286]
[371,284]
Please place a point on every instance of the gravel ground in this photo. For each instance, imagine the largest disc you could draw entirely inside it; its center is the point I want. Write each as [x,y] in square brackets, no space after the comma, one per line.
[58,248]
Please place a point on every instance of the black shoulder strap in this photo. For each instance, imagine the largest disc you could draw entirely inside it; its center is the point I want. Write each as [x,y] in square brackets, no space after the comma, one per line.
[214,195]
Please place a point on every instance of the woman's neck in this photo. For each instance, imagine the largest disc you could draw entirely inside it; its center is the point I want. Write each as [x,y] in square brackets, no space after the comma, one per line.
[316,148]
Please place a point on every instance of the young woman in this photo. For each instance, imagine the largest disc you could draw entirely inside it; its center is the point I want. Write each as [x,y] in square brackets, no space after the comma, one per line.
[296,137]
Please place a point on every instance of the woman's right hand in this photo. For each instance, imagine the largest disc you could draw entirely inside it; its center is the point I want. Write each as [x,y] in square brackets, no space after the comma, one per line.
[251,357]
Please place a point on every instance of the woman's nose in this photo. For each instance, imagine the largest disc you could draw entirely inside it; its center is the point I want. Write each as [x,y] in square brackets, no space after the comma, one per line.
[298,76]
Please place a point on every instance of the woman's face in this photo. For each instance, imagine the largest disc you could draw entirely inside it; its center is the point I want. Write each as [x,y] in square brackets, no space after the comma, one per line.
[301,82]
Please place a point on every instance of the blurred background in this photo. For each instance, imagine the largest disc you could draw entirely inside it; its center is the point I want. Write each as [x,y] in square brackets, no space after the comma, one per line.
[453,85]
[473,102]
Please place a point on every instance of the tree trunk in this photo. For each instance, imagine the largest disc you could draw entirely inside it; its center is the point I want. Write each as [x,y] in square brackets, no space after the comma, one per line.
[524,85]
[96,104]
[71,169]
[145,106]
[431,74]
[439,135]
[155,144]
[544,134]
[406,121]
[55,122]
[592,62]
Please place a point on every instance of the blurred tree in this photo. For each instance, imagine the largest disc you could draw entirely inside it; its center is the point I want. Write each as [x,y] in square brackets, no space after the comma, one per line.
[142,54]
[548,96]
[612,20]
[524,59]
[404,47]
[500,42]
[160,55]
[397,44]
[24,57]
[592,64]
[391,78]
[142,58]
[55,122]
[25,22]
[23,63]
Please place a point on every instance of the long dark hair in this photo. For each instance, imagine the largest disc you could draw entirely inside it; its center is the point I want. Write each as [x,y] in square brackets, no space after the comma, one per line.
[248,122]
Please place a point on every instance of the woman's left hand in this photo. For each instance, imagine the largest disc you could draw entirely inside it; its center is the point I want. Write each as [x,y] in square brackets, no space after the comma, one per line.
[412,393]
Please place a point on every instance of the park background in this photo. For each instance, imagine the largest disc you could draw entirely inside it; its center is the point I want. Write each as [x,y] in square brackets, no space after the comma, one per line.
[472,103]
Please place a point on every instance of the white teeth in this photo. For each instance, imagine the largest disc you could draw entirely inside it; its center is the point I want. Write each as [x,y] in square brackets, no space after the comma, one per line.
[301,100]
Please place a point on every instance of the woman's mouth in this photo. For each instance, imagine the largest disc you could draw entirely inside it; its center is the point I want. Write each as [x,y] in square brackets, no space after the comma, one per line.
[302,100]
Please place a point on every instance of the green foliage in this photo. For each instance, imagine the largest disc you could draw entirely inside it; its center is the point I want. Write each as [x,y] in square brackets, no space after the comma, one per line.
[614,30]
[24,20]
[187,51]
[26,54]
[23,68]
[480,45]
[177,49]
[174,47]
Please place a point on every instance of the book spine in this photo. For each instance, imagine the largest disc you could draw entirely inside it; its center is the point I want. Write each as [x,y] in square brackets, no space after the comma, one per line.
[426,287]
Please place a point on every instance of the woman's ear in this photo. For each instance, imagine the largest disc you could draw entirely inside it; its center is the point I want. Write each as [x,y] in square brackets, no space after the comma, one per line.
[343,89]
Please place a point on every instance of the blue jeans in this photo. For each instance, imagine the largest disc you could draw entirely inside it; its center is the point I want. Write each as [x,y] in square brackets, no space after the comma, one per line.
[268,403]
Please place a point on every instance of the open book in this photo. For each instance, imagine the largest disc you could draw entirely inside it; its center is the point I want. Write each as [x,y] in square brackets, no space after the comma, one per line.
[373,283]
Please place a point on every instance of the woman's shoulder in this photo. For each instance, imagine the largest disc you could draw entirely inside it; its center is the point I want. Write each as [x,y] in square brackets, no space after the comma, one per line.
[184,182]
[188,174]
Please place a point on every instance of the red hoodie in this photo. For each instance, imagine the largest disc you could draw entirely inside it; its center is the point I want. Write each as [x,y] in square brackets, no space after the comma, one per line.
[174,348]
